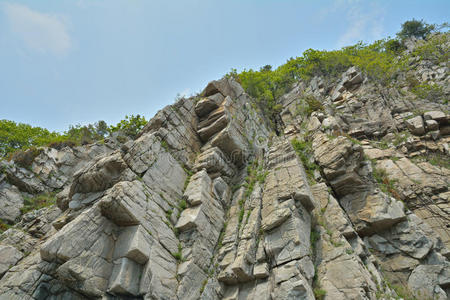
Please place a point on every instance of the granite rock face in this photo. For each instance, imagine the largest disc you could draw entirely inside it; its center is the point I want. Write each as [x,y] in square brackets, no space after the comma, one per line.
[208,202]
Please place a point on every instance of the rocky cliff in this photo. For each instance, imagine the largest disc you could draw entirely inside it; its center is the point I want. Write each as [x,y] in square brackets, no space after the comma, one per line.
[347,201]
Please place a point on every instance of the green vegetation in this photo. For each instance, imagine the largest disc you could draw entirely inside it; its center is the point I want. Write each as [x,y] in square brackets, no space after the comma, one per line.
[181,206]
[4,226]
[430,92]
[14,136]
[202,288]
[401,137]
[415,28]
[130,126]
[319,293]
[378,60]
[178,255]
[255,173]
[313,238]
[435,49]
[436,159]
[19,136]
[308,104]
[402,292]
[25,158]
[222,235]
[39,201]
[165,145]
[188,178]
[304,151]
[386,185]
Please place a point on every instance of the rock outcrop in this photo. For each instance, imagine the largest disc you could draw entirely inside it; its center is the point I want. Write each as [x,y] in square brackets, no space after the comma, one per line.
[209,203]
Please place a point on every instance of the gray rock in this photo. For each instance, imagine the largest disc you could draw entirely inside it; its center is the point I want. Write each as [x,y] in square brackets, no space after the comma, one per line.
[207,105]
[9,256]
[416,125]
[438,116]
[430,281]
[125,277]
[431,125]
[11,201]
[225,86]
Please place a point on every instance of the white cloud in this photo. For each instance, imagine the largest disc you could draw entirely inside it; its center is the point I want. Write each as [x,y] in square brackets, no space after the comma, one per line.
[40,32]
[364,22]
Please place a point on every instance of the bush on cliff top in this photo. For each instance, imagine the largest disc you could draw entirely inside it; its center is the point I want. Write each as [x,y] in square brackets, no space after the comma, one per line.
[380,61]
[19,136]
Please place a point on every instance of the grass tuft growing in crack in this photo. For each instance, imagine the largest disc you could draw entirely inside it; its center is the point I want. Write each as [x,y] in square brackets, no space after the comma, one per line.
[305,153]
[255,173]
[178,255]
[39,201]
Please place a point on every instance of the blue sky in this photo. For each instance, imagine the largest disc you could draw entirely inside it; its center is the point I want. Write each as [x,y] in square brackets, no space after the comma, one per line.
[66,62]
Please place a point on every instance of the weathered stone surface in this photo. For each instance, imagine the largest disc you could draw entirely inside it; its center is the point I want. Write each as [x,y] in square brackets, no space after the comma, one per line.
[333,214]
[225,86]
[438,116]
[125,277]
[416,125]
[176,125]
[25,180]
[207,105]
[374,212]
[214,161]
[9,256]
[90,230]
[134,243]
[86,274]
[214,127]
[232,143]
[19,239]
[101,175]
[431,125]
[190,218]
[209,202]
[430,281]
[261,271]
[341,274]
[290,283]
[199,188]
[11,201]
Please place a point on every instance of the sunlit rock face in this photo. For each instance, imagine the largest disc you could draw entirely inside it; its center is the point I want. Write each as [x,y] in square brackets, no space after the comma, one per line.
[211,202]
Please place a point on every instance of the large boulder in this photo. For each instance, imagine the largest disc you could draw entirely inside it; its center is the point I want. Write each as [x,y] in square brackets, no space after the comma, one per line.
[416,125]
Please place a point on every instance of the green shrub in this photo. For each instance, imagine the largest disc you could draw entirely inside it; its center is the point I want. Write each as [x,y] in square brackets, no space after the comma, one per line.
[435,49]
[130,126]
[377,60]
[19,136]
[15,136]
[308,104]
[430,92]
[394,45]
[401,137]
[415,28]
